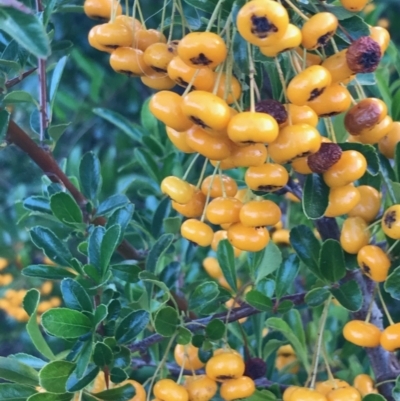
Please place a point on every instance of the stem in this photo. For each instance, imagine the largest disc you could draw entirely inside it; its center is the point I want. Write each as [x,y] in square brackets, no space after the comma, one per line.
[297,10]
[191,166]
[214,15]
[330,129]
[385,381]
[320,336]
[142,20]
[171,28]
[328,368]
[162,15]
[283,83]
[209,191]
[371,304]
[384,307]
[203,170]
[373,224]
[389,188]
[182,14]
[251,76]
[393,246]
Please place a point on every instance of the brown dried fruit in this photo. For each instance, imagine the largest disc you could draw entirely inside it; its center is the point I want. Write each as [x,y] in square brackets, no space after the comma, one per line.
[274,109]
[364,115]
[364,55]
[327,155]
[255,368]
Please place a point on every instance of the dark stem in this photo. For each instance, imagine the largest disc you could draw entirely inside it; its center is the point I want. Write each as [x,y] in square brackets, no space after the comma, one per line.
[198,324]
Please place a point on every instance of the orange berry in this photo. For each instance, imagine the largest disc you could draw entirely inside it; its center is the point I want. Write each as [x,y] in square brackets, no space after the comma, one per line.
[197,232]
[373,262]
[252,239]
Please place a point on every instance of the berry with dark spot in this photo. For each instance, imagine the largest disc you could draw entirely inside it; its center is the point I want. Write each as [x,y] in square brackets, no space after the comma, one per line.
[273,108]
[364,55]
[327,155]
[255,368]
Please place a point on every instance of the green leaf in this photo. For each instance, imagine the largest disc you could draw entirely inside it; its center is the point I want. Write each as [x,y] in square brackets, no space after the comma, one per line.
[262,395]
[157,251]
[349,295]
[270,261]
[30,303]
[123,393]
[203,294]
[172,225]
[315,196]
[108,246]
[134,131]
[90,176]
[94,247]
[354,26]
[19,97]
[111,204]
[293,319]
[368,151]
[15,371]
[26,29]
[102,355]
[131,326]
[56,78]
[317,297]
[51,245]
[286,275]
[75,383]
[331,261]
[126,272]
[66,209]
[226,260]
[146,161]
[118,375]
[374,397]
[83,360]
[66,323]
[75,296]
[307,247]
[392,284]
[397,161]
[259,301]
[53,377]
[15,392]
[47,272]
[281,326]
[184,336]
[37,204]
[56,131]
[166,321]
[122,217]
[215,330]
[51,397]
[32,361]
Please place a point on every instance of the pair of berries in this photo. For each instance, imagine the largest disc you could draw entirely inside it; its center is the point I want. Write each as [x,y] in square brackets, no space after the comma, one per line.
[367,335]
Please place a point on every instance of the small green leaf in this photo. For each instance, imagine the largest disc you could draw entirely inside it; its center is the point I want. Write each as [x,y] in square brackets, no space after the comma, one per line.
[32,361]
[51,245]
[166,321]
[66,209]
[123,393]
[259,301]
[56,131]
[90,175]
[102,355]
[184,336]
[270,261]
[349,295]
[56,78]
[226,260]
[157,251]
[121,216]
[76,383]
[38,204]
[204,293]
[126,272]
[293,319]
[147,162]
[215,330]
[26,29]
[66,323]
[94,247]
[15,392]
[315,196]
[47,272]
[307,247]
[131,326]
[392,284]
[374,397]
[75,296]
[286,275]
[51,397]
[262,395]
[172,225]
[15,371]
[317,297]
[111,204]
[53,377]
[109,244]
[19,97]
[30,303]
[331,261]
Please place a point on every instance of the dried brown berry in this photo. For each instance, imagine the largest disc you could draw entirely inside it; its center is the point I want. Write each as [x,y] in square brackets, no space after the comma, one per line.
[327,155]
[364,55]
[274,109]
[365,115]
[255,368]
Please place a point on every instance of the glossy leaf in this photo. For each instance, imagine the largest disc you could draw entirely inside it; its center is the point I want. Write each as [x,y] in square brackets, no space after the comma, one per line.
[349,295]
[75,296]
[26,29]
[102,355]
[392,284]
[30,304]
[166,321]
[123,393]
[94,247]
[270,261]
[157,251]
[15,371]
[38,204]
[286,275]
[66,323]
[226,260]
[259,301]
[131,326]
[215,330]
[65,208]
[111,204]
[19,97]
[108,246]
[15,392]
[121,216]
[331,261]
[204,293]
[307,247]
[51,245]
[315,196]
[317,297]
[53,377]
[90,175]
[75,383]
[32,361]
[50,397]
[47,272]
[56,77]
